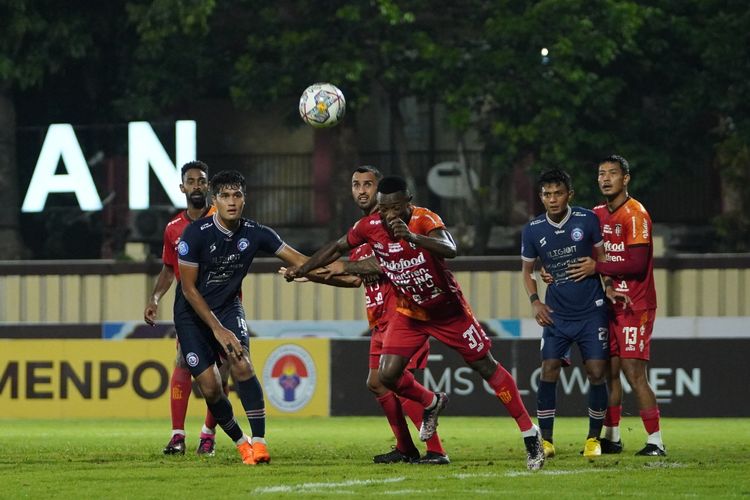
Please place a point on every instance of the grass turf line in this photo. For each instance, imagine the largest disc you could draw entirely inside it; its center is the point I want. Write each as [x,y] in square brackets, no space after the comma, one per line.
[331,457]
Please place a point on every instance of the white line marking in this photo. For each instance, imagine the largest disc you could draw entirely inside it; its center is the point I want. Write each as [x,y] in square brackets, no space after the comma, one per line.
[316,486]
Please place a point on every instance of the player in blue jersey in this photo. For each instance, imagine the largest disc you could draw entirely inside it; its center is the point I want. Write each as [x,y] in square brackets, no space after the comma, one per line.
[573,311]
[214,255]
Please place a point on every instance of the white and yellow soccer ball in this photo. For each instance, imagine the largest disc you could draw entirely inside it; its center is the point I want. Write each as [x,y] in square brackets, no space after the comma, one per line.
[322,105]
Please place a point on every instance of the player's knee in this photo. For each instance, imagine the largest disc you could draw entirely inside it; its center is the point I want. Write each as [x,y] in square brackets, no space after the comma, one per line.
[374,385]
[389,377]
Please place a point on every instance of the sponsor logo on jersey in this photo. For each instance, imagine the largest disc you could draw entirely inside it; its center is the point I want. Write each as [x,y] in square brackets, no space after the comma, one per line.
[378,246]
[375,222]
[614,247]
[395,247]
[192,359]
[206,225]
[289,378]
[645,229]
[243,244]
[212,248]
[535,222]
[576,234]
[543,241]
[402,264]
[559,252]
[560,231]
[607,229]
[182,248]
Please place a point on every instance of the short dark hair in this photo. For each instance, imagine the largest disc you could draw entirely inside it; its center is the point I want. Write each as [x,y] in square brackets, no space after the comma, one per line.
[554,176]
[392,184]
[227,178]
[624,165]
[364,169]
[194,164]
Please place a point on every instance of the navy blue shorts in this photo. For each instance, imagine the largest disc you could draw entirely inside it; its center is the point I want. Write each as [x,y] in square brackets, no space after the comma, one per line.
[198,344]
[591,334]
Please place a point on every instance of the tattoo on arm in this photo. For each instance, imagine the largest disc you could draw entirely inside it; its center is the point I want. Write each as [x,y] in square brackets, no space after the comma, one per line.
[367,266]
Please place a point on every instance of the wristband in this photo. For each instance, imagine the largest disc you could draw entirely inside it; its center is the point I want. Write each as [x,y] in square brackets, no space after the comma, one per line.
[533,297]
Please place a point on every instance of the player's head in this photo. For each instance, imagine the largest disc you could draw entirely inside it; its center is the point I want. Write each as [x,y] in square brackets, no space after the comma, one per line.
[228,194]
[195,183]
[555,191]
[613,176]
[365,186]
[394,198]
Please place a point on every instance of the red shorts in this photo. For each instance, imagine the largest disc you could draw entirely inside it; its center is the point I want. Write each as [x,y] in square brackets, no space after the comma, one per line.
[630,333]
[461,332]
[417,362]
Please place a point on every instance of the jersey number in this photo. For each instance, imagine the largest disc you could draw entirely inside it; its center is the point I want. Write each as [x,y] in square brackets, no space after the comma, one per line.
[631,334]
[474,338]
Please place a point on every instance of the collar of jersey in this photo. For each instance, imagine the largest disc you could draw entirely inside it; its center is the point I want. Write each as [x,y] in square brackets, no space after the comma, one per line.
[221,228]
[562,222]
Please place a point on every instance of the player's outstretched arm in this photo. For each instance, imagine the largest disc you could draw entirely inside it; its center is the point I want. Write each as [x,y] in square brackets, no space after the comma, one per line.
[319,275]
[324,256]
[163,282]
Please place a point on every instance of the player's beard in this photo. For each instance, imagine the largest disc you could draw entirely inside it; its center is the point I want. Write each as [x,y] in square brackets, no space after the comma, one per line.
[198,200]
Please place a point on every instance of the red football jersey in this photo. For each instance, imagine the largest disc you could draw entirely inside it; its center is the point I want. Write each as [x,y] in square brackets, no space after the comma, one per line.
[378,290]
[172,233]
[629,225]
[424,284]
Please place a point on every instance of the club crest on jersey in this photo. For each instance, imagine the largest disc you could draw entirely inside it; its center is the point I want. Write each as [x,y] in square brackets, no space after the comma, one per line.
[576,234]
[192,359]
[182,247]
[243,244]
[618,229]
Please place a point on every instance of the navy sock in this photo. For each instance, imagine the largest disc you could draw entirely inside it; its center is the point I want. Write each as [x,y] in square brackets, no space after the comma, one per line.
[251,395]
[546,403]
[222,412]
[597,408]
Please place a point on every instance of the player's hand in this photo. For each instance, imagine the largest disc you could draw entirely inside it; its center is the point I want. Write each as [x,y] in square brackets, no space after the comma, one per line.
[292,273]
[618,297]
[228,341]
[546,277]
[282,271]
[335,268]
[399,229]
[542,313]
[149,314]
[585,267]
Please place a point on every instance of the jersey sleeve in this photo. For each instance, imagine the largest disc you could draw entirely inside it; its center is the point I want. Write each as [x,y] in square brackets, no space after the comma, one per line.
[528,250]
[355,237]
[270,241]
[638,229]
[168,252]
[594,229]
[188,249]
[427,222]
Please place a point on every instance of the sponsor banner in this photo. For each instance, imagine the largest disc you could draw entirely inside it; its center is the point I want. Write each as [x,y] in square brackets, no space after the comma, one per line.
[92,378]
[691,378]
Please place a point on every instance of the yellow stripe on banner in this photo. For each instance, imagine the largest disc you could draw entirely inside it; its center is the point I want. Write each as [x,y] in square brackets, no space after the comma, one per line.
[130,378]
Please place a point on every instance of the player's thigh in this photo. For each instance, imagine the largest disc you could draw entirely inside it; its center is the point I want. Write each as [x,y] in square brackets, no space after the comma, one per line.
[463,333]
[557,339]
[198,345]
[593,337]
[404,336]
[632,332]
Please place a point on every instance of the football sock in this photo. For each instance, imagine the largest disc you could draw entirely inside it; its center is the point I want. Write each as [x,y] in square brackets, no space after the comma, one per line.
[180,386]
[612,418]
[655,438]
[597,408]
[208,433]
[178,431]
[408,387]
[414,411]
[210,421]
[258,440]
[545,411]
[506,390]
[251,395]
[222,411]
[395,416]
[650,419]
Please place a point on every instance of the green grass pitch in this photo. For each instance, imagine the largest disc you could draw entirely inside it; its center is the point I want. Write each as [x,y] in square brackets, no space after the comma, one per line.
[331,458]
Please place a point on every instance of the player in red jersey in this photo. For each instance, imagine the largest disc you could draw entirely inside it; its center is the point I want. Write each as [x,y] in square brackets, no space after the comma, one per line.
[410,245]
[626,228]
[379,297]
[195,186]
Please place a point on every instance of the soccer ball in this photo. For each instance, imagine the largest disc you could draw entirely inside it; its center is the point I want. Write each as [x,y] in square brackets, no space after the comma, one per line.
[322,105]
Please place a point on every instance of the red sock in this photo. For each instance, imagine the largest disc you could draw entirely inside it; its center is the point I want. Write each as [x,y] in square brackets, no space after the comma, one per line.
[210,421]
[613,415]
[408,387]
[650,419]
[507,391]
[180,386]
[414,410]
[392,409]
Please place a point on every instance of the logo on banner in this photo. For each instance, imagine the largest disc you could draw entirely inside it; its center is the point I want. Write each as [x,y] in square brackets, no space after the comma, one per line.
[289,378]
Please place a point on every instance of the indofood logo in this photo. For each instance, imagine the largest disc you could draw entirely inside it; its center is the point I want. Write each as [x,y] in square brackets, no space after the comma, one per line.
[289,378]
